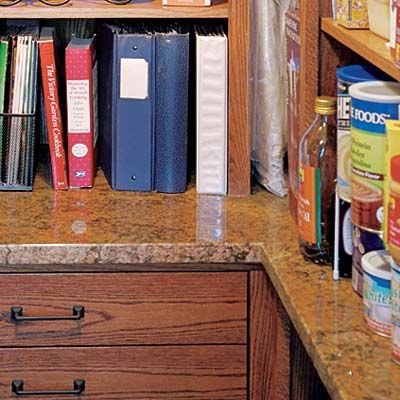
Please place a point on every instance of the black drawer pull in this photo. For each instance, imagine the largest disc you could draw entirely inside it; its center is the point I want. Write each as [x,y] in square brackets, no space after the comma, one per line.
[17,388]
[17,315]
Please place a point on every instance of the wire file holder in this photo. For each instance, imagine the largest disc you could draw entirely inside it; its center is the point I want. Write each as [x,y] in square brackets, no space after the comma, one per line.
[17,151]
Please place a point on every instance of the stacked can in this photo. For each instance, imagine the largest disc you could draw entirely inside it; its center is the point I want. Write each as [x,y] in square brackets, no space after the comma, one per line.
[372,103]
[344,245]
[392,224]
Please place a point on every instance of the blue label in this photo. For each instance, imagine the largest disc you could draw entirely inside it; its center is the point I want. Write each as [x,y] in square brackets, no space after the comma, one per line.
[370,116]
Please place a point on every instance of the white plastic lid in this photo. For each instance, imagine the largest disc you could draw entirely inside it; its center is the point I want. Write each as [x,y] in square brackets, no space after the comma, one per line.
[377,263]
[376,91]
[394,265]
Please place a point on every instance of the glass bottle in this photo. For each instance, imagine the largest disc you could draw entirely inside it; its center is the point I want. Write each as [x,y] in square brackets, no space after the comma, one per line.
[317,174]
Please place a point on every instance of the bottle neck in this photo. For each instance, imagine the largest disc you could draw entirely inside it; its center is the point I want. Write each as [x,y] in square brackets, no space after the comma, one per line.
[325,118]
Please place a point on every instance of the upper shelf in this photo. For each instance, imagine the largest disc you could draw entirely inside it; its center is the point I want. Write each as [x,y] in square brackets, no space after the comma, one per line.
[102,9]
[365,43]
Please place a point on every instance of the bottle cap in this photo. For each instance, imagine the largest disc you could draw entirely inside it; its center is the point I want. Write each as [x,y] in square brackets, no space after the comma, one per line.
[325,105]
[395,168]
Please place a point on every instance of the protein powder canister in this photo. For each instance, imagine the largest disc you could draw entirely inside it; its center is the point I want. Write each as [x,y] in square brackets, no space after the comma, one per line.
[395,312]
[372,103]
[347,76]
[363,242]
[377,296]
[392,182]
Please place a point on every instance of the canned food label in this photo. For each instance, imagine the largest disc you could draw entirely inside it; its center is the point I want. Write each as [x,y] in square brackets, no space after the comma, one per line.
[343,141]
[394,220]
[377,304]
[309,214]
[347,233]
[368,161]
[363,243]
[392,150]
[396,314]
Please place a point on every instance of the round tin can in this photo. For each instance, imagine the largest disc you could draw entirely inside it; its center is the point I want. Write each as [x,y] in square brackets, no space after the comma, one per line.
[377,295]
[363,242]
[395,312]
[372,103]
[347,76]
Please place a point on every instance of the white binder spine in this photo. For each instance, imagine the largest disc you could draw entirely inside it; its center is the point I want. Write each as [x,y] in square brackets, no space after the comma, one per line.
[212,64]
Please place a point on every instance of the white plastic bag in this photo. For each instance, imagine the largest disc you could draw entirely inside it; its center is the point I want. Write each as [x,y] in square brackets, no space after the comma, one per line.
[268,108]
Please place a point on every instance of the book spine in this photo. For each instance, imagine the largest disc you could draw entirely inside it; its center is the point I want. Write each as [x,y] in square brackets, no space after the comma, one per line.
[171,128]
[211,93]
[53,115]
[79,77]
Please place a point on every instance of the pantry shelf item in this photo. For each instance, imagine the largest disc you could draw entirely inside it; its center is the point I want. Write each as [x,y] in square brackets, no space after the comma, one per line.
[377,297]
[365,43]
[371,104]
[395,312]
[317,174]
[379,17]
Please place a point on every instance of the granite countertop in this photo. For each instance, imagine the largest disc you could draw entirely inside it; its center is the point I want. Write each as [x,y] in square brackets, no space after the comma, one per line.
[103,227]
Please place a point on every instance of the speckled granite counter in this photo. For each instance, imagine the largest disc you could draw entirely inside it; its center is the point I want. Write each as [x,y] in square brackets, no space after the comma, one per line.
[101,227]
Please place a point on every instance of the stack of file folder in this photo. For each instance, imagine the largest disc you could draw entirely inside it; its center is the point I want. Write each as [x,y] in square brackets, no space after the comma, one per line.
[18,89]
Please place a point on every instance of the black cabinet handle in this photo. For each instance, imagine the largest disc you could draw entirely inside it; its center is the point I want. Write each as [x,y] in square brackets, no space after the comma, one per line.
[17,388]
[17,315]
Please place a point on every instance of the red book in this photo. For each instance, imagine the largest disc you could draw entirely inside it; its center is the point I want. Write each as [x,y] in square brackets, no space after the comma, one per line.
[53,113]
[81,76]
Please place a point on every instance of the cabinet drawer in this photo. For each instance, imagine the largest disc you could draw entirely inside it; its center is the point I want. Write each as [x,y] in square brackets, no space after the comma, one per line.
[113,373]
[124,308]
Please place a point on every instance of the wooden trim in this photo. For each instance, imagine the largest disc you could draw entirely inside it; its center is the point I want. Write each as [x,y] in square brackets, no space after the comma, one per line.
[114,268]
[239,97]
[365,43]
[102,9]
[269,341]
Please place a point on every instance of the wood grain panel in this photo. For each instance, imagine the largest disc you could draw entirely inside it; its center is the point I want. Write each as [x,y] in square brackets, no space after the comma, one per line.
[173,308]
[102,9]
[305,381]
[365,43]
[239,98]
[269,342]
[309,58]
[332,55]
[124,373]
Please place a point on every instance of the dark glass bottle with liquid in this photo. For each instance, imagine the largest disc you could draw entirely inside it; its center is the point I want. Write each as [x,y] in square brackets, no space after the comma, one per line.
[317,174]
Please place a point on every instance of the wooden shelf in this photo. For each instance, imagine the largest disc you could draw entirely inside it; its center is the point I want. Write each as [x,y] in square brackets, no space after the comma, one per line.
[365,43]
[102,9]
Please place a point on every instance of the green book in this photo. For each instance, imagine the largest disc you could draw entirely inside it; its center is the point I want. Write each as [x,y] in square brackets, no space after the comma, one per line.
[3,71]
[3,75]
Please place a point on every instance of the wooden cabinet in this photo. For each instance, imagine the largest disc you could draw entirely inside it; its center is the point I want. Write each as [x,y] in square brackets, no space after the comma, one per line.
[143,335]
[124,309]
[122,373]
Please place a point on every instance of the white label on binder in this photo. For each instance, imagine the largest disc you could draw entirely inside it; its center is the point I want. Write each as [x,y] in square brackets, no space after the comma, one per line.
[134,82]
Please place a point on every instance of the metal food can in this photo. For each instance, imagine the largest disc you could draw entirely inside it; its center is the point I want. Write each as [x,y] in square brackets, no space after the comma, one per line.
[346,77]
[372,103]
[395,312]
[377,295]
[363,242]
